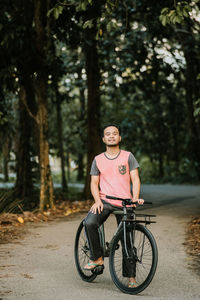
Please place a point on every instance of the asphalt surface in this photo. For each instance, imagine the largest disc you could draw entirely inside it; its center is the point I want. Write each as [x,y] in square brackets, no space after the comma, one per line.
[41,265]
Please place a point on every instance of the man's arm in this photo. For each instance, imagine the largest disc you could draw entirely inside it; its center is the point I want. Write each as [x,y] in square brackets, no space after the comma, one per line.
[135,179]
[94,186]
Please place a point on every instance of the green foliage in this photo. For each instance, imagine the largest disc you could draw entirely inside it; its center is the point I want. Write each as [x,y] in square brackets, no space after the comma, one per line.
[56,11]
[180,11]
[143,78]
[88,23]
[60,6]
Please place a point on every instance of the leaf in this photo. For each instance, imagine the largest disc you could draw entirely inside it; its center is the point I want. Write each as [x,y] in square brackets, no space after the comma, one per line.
[88,23]
[57,11]
[185,12]
[179,9]
[27,276]
[68,212]
[197,112]
[20,220]
[163,20]
[50,11]
[47,213]
[84,5]
[173,19]
[164,10]
[171,12]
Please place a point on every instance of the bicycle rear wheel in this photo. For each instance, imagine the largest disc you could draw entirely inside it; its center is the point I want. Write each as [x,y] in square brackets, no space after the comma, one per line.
[143,259]
[81,254]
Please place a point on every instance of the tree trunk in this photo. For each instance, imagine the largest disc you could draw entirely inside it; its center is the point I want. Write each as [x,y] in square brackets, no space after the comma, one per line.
[41,27]
[80,174]
[192,92]
[93,101]
[191,88]
[24,184]
[46,183]
[60,141]
[80,167]
[159,119]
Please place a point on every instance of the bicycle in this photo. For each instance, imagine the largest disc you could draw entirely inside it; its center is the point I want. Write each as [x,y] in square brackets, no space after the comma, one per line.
[131,240]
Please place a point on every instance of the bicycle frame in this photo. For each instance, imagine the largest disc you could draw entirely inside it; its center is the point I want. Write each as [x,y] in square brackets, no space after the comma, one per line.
[128,217]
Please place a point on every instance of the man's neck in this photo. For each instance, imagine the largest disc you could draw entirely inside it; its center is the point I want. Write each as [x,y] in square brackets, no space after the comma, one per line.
[112,151]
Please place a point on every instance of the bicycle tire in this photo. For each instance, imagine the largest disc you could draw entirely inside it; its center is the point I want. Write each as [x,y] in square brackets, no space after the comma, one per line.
[145,270]
[81,255]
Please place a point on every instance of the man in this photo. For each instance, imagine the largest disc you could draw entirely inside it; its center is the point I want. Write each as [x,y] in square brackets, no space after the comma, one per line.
[111,174]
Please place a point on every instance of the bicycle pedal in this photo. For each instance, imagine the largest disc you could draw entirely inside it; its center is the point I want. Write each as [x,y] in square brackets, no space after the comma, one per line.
[98,270]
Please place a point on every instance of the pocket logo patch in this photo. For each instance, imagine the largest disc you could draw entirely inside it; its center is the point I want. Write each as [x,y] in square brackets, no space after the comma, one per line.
[122,169]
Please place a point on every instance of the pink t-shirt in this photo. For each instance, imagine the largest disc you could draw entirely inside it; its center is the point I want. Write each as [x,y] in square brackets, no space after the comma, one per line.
[114,175]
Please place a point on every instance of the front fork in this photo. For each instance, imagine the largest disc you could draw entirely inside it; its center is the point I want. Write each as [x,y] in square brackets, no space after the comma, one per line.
[133,255]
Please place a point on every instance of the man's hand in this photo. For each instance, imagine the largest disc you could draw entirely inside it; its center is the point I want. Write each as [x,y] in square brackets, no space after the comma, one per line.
[139,201]
[97,206]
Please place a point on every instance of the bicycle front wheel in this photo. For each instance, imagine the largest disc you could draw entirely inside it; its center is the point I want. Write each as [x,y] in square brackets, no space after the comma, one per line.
[82,254]
[141,263]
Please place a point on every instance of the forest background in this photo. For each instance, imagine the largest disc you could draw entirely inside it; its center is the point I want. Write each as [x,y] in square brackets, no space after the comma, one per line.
[67,68]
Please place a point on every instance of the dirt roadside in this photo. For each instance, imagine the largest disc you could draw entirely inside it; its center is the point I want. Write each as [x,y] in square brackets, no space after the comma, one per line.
[14,226]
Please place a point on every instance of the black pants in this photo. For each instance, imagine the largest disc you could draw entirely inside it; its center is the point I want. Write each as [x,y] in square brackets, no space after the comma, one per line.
[92,223]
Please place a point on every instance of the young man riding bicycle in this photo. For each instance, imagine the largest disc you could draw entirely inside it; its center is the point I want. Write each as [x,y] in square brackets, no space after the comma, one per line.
[112,173]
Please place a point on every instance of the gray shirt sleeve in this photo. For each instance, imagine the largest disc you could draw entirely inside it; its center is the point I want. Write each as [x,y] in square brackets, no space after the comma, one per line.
[132,162]
[94,170]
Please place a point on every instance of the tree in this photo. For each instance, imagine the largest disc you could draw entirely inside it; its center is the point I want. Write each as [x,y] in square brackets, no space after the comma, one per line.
[93,87]
[24,180]
[191,50]
[42,27]
[6,132]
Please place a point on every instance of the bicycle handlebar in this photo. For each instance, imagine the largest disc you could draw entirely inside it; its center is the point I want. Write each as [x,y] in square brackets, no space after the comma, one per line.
[129,201]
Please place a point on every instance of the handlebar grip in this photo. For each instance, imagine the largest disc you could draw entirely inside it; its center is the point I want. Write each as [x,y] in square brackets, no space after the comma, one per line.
[126,200]
[145,202]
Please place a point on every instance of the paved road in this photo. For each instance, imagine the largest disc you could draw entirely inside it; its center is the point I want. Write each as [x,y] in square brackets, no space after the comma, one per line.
[41,266]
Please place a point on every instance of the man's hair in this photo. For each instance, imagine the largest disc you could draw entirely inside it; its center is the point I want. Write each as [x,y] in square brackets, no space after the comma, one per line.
[109,125]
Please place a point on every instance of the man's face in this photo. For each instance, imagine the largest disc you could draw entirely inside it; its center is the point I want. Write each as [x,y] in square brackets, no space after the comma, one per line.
[111,136]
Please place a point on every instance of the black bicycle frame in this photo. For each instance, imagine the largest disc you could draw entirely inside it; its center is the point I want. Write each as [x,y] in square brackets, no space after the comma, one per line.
[127,218]
[105,246]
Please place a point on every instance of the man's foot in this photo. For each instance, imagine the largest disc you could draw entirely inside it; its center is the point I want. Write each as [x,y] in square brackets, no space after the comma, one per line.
[132,282]
[93,264]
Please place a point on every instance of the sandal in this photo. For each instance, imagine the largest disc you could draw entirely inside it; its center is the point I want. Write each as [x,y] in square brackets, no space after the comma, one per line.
[92,265]
[132,284]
